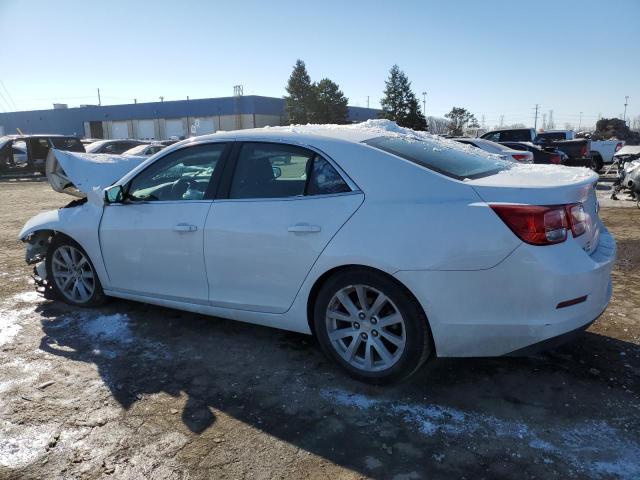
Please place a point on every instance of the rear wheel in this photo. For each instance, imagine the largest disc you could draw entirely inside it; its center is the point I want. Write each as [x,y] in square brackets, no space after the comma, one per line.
[597,163]
[371,326]
[71,274]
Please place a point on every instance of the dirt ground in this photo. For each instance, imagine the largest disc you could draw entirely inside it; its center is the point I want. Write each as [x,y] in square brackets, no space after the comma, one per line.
[133,391]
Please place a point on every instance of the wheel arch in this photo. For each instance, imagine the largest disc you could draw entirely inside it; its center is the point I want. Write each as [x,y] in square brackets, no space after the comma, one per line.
[322,279]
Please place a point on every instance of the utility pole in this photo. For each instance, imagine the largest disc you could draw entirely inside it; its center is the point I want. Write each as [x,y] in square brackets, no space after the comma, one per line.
[483,121]
[580,122]
[501,120]
[624,116]
[535,122]
[99,101]
[424,104]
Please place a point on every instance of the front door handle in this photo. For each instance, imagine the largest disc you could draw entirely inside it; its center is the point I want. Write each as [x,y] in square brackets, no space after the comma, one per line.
[185,227]
[303,228]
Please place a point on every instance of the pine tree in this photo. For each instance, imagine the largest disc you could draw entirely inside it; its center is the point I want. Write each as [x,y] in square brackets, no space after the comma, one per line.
[400,103]
[300,98]
[329,103]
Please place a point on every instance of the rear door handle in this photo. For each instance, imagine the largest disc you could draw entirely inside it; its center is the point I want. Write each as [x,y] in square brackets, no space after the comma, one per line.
[185,227]
[303,228]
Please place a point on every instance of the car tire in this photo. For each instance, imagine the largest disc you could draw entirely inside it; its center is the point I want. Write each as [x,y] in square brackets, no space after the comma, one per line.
[71,274]
[391,332]
[597,163]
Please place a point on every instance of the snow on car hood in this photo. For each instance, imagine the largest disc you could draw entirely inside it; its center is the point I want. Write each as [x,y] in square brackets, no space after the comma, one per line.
[78,174]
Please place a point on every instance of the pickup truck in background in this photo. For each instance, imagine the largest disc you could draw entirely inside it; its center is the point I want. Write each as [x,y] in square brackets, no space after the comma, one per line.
[28,153]
[602,151]
[577,149]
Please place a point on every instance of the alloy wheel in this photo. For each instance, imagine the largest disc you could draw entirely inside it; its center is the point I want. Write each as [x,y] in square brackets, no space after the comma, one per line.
[365,328]
[73,274]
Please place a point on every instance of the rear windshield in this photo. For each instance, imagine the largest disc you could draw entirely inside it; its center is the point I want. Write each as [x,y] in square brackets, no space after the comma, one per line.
[69,144]
[551,136]
[449,161]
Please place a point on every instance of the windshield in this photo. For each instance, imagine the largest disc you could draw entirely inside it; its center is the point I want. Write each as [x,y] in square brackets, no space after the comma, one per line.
[458,163]
[139,150]
[92,147]
[69,144]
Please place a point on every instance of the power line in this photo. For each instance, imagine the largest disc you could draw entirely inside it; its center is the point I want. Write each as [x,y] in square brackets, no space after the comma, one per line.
[9,95]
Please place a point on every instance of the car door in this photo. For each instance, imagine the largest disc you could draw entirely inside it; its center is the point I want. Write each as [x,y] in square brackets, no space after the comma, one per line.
[278,210]
[152,243]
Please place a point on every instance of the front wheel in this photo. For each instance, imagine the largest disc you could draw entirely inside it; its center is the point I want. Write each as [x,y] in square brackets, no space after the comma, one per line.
[71,274]
[371,326]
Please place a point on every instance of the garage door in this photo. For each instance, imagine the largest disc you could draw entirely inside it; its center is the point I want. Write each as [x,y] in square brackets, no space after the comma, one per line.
[202,126]
[119,130]
[174,127]
[146,130]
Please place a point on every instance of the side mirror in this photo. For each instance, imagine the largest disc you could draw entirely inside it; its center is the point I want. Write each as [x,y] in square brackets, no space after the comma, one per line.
[114,194]
[277,172]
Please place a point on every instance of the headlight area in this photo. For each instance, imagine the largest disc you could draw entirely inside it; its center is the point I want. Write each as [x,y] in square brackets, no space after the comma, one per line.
[37,246]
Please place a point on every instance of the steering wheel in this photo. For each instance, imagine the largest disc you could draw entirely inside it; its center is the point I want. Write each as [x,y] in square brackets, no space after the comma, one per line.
[180,187]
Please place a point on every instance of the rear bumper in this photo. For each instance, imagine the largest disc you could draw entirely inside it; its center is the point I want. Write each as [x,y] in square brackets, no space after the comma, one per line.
[514,304]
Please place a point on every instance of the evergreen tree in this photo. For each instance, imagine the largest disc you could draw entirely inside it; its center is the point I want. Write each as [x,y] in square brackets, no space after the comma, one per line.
[400,103]
[300,98]
[329,103]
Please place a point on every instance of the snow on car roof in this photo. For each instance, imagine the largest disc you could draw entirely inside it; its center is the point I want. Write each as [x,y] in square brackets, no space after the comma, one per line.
[355,133]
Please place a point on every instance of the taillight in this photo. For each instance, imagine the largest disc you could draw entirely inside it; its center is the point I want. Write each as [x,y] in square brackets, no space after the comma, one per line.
[618,146]
[520,157]
[543,225]
[534,224]
[584,151]
[555,159]
[577,219]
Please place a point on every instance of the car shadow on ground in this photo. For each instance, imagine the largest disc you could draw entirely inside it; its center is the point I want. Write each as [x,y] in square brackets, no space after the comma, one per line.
[280,383]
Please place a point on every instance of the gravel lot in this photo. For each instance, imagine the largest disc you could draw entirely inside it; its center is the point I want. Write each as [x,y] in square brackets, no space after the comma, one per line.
[135,391]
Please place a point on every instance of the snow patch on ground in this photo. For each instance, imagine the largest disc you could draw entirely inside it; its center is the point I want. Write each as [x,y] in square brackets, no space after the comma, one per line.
[11,317]
[593,447]
[21,445]
[109,328]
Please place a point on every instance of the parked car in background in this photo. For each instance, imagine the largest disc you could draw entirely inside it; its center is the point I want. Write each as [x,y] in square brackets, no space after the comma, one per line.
[540,155]
[577,150]
[145,150]
[114,147]
[37,148]
[505,153]
[292,247]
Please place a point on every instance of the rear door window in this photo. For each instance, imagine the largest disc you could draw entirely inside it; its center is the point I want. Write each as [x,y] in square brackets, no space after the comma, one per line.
[273,170]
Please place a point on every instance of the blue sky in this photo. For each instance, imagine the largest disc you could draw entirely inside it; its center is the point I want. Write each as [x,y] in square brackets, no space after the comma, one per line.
[493,57]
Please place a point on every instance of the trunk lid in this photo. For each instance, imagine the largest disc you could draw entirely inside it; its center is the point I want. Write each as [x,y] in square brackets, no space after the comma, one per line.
[81,173]
[546,185]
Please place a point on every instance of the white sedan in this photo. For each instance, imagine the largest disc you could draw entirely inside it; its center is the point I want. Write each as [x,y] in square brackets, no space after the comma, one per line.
[391,246]
[504,152]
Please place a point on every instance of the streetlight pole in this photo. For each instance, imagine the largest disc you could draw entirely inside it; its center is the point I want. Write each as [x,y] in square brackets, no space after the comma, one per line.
[624,116]
[424,104]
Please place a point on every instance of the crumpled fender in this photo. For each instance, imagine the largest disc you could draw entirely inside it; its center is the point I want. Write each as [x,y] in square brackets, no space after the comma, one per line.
[81,223]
